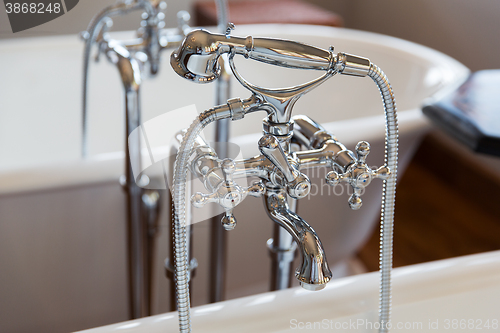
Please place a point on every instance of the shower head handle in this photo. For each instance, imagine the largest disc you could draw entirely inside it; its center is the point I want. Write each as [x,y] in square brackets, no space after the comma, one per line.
[196,58]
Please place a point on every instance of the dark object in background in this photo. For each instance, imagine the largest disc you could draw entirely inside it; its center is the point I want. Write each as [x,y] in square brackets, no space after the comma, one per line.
[471,114]
[272,11]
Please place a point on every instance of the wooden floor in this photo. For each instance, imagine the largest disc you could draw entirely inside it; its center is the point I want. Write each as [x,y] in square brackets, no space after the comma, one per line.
[445,208]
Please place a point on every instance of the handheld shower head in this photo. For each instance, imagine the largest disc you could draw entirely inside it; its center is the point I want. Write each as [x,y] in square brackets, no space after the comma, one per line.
[196,58]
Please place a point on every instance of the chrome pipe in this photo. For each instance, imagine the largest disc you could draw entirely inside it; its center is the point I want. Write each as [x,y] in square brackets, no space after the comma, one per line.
[323,148]
[218,238]
[142,205]
[137,228]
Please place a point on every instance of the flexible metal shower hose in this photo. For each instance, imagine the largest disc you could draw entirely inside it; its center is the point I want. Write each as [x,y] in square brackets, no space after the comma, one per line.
[388,194]
[179,197]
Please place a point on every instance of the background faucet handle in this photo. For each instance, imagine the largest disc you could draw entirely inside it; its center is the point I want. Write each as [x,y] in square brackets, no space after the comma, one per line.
[183,18]
[101,38]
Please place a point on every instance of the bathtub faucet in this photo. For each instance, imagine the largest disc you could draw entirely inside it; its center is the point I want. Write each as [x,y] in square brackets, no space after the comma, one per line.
[131,57]
[280,176]
[279,168]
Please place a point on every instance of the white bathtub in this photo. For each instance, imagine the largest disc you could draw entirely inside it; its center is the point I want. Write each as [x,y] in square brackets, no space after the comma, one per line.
[452,295]
[62,221]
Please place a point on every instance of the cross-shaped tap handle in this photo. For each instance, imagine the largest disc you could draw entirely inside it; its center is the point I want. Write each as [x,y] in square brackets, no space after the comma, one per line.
[358,175]
[228,194]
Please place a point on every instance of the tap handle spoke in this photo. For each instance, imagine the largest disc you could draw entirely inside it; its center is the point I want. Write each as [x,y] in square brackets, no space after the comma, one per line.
[362,151]
[383,173]
[199,199]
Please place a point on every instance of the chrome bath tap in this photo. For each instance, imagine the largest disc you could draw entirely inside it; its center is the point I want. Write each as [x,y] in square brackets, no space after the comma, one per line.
[278,168]
[132,57]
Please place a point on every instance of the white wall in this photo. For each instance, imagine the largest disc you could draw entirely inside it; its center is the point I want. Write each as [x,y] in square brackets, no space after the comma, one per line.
[466,30]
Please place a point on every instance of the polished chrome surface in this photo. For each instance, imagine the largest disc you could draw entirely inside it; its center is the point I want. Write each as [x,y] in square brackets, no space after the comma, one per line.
[196,58]
[298,185]
[179,194]
[283,250]
[278,167]
[388,191]
[358,175]
[349,64]
[148,41]
[218,238]
[140,235]
[346,167]
[314,272]
[228,194]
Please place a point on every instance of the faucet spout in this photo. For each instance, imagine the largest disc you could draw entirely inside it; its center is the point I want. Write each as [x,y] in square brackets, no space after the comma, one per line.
[314,272]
